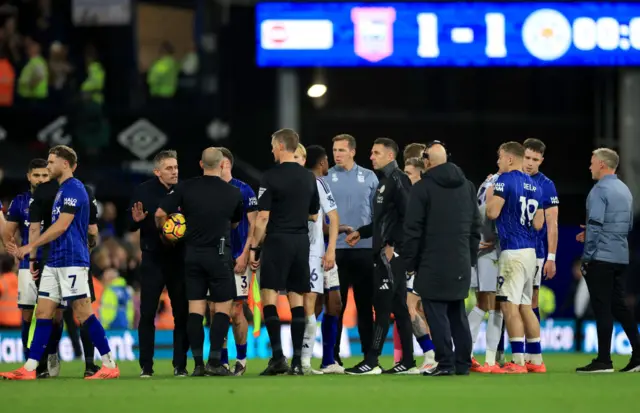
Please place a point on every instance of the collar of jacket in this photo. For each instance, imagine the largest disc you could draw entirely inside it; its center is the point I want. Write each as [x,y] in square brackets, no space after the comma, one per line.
[388,170]
[160,184]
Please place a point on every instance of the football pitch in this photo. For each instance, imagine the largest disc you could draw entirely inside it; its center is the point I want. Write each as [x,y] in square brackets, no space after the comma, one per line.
[560,390]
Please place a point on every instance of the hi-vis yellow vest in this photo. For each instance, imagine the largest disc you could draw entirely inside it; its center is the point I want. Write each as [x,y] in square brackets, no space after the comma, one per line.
[41,90]
[163,77]
[94,83]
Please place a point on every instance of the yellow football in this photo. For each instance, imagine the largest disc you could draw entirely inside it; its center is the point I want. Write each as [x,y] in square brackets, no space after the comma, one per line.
[174,227]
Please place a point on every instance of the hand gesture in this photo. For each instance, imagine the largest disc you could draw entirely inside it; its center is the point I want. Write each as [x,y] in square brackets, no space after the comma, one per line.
[580,236]
[329,260]
[345,229]
[486,245]
[22,251]
[353,238]
[549,270]
[138,213]
[254,262]
[241,264]
[35,273]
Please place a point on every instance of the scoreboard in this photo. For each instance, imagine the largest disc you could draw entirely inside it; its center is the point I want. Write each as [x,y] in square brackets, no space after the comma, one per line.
[448,34]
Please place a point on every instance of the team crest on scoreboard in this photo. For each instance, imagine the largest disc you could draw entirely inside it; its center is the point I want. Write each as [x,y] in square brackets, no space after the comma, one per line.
[373,32]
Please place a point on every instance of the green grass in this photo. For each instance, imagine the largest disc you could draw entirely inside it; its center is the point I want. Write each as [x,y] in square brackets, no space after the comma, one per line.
[560,390]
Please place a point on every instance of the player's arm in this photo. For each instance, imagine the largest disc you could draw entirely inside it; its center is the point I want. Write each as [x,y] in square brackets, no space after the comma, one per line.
[53,232]
[36,215]
[596,207]
[415,227]
[93,231]
[11,225]
[251,208]
[314,206]
[3,222]
[495,198]
[237,212]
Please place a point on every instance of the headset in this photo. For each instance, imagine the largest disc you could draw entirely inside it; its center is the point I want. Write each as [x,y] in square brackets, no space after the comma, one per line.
[425,154]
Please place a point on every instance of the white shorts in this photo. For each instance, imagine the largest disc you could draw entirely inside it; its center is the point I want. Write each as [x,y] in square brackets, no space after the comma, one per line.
[243,282]
[322,280]
[27,290]
[515,282]
[484,277]
[410,284]
[537,278]
[64,284]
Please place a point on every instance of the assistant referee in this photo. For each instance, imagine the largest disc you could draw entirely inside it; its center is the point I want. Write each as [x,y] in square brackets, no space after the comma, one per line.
[210,207]
[288,198]
[161,266]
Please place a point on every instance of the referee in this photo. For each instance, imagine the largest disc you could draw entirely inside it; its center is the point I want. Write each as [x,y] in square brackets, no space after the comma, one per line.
[606,257]
[210,207]
[162,265]
[40,220]
[288,198]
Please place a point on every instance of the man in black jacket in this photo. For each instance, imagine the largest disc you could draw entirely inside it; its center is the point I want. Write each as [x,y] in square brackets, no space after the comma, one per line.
[162,266]
[390,284]
[441,238]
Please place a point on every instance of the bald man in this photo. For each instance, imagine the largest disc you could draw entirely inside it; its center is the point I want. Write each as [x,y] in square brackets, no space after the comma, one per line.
[442,234]
[211,207]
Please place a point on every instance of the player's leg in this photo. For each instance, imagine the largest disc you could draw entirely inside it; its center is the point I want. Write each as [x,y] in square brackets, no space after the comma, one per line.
[363,293]
[222,287]
[151,286]
[90,367]
[402,320]
[420,330]
[196,285]
[27,298]
[382,303]
[310,322]
[240,327]
[488,277]
[343,262]
[174,279]
[333,309]
[49,298]
[298,284]
[52,359]
[74,286]
[537,280]
[275,260]
[531,322]
[511,284]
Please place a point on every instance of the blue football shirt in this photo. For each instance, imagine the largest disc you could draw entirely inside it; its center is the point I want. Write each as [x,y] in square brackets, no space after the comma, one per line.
[71,248]
[549,200]
[521,201]
[19,213]
[241,232]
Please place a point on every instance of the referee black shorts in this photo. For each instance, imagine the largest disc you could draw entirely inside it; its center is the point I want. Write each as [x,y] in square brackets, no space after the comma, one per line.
[209,276]
[284,263]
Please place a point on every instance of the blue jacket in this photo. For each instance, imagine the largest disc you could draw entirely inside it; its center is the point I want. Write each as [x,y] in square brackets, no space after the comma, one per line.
[609,221]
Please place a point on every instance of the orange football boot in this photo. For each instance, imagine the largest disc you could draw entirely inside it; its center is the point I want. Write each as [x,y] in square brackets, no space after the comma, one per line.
[20,374]
[105,373]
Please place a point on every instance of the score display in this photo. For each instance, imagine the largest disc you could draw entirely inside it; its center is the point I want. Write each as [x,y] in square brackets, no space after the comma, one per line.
[448,34]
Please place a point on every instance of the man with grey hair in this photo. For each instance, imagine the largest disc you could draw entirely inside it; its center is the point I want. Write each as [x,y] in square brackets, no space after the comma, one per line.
[211,207]
[606,257]
[162,265]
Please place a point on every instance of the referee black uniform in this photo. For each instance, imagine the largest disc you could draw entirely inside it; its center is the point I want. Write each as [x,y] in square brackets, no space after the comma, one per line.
[289,193]
[162,265]
[40,212]
[210,206]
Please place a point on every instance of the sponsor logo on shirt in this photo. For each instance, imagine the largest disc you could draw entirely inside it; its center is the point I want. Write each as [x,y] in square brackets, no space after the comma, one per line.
[498,187]
[70,202]
[253,201]
[555,200]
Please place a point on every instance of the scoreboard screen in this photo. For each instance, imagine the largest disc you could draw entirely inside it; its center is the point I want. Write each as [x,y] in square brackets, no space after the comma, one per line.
[447,34]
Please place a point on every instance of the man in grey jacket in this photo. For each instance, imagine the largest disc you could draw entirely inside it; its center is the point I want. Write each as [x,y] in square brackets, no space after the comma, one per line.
[605,258]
